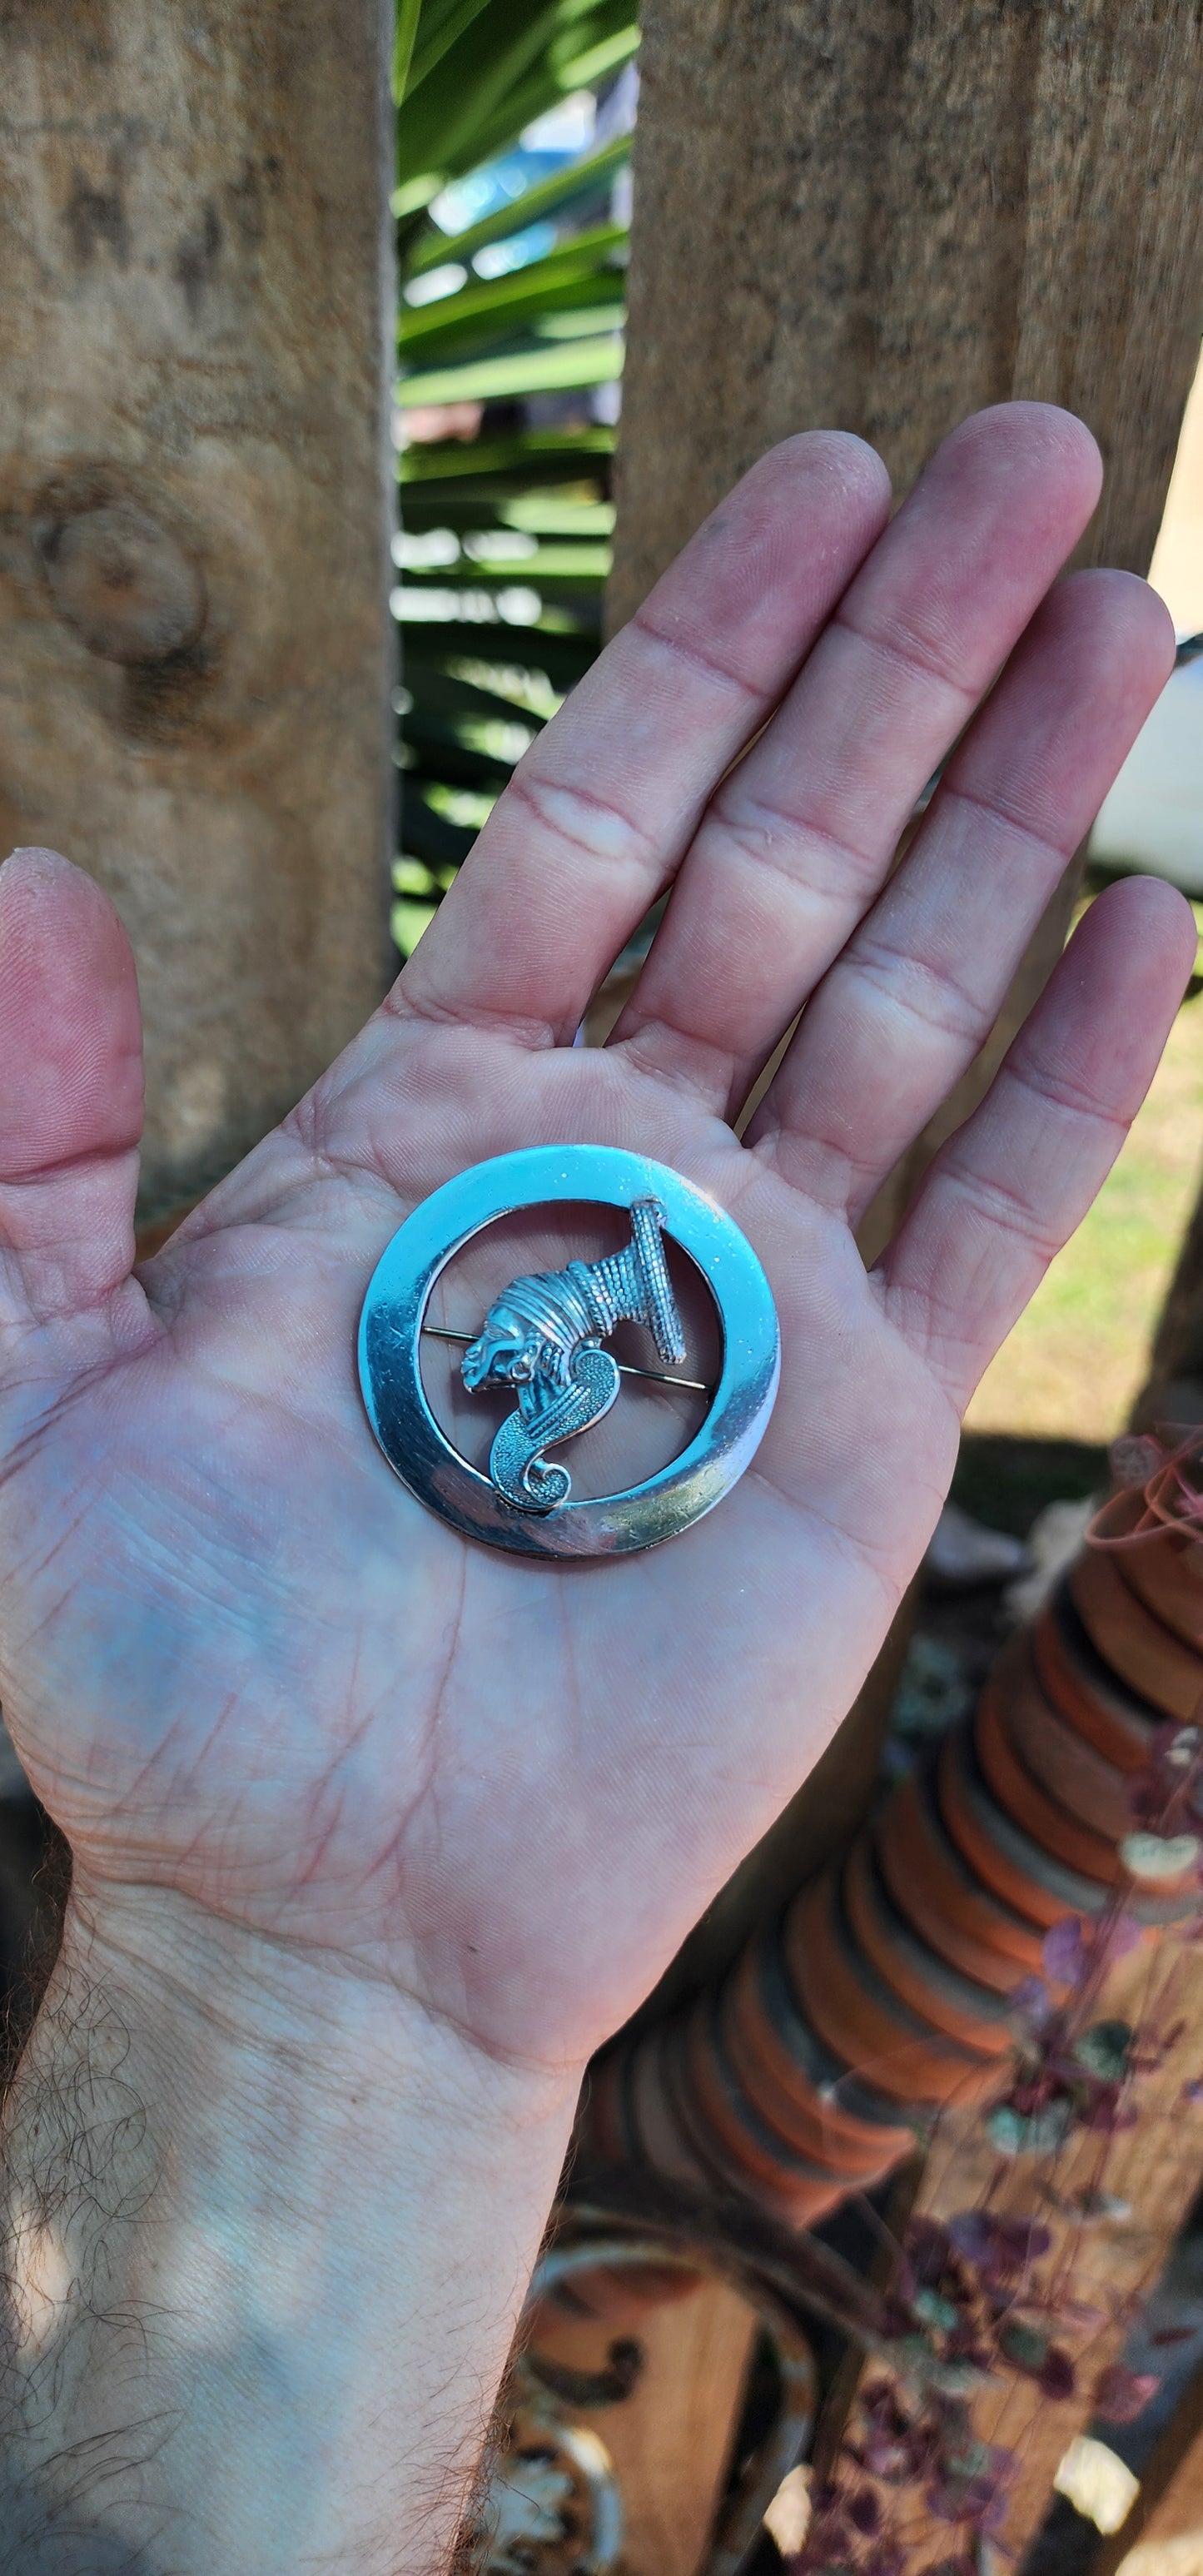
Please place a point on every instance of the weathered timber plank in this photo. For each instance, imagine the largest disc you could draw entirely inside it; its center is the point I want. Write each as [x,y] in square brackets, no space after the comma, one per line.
[876,216]
[671,2440]
[195,648]
[1153,2167]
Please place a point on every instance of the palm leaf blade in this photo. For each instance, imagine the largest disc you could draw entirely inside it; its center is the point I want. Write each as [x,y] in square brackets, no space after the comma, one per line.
[572,367]
[536,204]
[505,553]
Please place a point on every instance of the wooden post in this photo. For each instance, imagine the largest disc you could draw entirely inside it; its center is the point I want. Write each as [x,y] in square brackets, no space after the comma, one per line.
[671,2442]
[1174,1392]
[195,481]
[878,216]
[1108,2266]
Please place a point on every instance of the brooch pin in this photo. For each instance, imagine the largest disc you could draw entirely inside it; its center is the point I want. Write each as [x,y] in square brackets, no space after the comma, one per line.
[543,1337]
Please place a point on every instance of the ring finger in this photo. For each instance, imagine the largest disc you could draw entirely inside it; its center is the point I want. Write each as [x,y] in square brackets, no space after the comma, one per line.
[917,989]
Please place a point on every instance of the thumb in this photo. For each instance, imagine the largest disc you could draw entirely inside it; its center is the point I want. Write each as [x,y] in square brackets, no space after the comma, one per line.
[70,1090]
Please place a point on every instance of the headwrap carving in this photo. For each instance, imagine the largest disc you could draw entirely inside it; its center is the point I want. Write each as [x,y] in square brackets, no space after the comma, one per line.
[543,1335]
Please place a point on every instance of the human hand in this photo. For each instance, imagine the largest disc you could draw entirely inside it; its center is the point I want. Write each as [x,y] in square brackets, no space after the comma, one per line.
[254,1682]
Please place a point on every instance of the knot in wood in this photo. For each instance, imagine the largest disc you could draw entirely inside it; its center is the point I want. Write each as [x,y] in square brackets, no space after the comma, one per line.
[124,584]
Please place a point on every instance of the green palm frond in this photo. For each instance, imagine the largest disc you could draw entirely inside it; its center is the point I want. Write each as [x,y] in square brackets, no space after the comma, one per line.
[550,197]
[502,306]
[469,96]
[525,371]
[408,14]
[505,550]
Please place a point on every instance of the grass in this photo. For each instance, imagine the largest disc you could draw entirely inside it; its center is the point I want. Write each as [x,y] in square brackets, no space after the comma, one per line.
[1076,1360]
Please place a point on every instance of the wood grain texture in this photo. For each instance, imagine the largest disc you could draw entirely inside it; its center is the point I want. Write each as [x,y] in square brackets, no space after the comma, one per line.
[671,2440]
[195,495]
[878,214]
[1107,2265]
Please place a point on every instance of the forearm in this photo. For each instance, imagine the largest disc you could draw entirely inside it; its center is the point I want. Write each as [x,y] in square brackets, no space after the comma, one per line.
[268,2231]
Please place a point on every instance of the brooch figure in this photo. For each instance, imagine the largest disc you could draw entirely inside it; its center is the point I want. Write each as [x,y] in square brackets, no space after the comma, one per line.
[543,1335]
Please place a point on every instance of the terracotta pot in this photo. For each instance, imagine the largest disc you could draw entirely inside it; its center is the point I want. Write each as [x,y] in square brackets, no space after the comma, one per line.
[1155,1507]
[846,2097]
[659,2136]
[1166,1574]
[1013,1866]
[1140,1648]
[966,2011]
[1116,1721]
[885,1991]
[1022,1798]
[945,1900]
[747,2141]
[735,2155]
[798,2085]
[851,2008]
[1057,1757]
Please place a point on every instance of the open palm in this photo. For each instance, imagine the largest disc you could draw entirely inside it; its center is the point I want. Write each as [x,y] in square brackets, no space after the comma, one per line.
[242,1665]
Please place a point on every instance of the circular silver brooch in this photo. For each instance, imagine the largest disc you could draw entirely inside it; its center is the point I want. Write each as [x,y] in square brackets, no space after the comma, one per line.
[543,1337]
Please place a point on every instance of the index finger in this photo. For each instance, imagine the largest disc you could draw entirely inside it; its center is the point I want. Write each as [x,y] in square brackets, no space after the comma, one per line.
[603,807]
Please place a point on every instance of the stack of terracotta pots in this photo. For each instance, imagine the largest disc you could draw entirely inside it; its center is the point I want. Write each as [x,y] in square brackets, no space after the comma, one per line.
[884,1992]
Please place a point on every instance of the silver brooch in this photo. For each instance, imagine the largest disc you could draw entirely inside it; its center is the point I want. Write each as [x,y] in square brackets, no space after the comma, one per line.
[543,1336]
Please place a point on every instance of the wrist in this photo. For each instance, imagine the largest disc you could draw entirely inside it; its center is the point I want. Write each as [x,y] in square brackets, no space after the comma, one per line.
[316,2206]
[284,2014]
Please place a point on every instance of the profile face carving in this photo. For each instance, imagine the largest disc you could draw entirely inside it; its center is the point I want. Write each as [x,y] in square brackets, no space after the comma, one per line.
[543,1335]
[506,1351]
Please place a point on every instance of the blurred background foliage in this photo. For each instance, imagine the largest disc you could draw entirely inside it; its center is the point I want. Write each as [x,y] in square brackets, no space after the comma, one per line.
[512,207]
